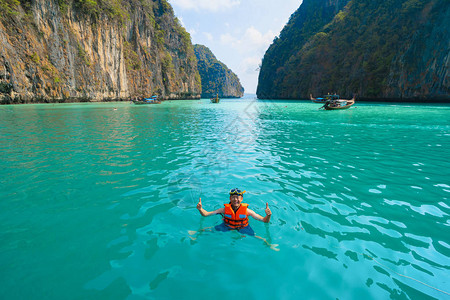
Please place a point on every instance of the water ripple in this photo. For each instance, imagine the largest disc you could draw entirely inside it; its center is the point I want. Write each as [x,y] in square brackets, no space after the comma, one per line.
[360,192]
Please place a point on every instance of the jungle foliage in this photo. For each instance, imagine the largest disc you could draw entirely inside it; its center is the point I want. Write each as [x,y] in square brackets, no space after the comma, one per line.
[8,7]
[345,47]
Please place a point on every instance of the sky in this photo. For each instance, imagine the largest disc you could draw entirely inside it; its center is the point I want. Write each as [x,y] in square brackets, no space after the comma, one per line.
[238,32]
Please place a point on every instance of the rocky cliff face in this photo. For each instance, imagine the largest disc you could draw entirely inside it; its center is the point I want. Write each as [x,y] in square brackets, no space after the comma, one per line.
[215,76]
[87,51]
[388,50]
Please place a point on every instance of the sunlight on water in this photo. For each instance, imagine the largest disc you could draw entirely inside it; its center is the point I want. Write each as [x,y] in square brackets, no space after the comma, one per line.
[101,203]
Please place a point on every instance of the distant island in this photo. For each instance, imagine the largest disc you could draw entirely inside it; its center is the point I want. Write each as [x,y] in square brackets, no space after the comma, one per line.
[380,50]
[216,78]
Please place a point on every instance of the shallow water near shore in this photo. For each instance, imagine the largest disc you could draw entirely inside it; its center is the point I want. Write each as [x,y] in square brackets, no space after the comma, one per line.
[98,200]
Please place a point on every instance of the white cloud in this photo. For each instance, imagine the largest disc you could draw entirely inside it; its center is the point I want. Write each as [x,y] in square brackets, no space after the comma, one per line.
[250,65]
[252,41]
[209,5]
[257,39]
[208,36]
[228,39]
[250,46]
[192,32]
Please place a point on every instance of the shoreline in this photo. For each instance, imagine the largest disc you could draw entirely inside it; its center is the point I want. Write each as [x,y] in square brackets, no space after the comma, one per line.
[87,100]
[107,100]
[76,100]
[381,100]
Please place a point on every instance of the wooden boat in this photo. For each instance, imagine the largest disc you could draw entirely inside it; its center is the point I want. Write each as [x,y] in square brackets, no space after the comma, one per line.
[152,100]
[216,99]
[338,104]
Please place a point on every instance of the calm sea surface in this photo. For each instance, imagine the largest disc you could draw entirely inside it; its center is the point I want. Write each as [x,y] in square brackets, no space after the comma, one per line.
[100,203]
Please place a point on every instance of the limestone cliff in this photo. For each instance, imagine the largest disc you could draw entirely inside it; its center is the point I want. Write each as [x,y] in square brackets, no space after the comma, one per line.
[215,76]
[74,50]
[380,50]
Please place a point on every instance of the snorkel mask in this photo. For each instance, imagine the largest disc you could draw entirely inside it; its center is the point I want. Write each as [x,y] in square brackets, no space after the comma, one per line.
[237,191]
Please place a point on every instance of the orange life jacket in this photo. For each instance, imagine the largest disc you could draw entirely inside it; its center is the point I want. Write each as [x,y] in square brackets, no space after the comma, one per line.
[236,219]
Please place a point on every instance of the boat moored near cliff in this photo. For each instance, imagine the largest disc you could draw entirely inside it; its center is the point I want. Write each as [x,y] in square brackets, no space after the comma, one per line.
[152,100]
[332,102]
[215,99]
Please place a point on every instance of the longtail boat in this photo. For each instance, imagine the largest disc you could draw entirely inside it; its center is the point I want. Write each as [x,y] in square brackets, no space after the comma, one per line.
[152,100]
[338,104]
[216,99]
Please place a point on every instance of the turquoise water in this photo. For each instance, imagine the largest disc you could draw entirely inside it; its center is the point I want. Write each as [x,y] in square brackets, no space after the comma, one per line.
[99,203]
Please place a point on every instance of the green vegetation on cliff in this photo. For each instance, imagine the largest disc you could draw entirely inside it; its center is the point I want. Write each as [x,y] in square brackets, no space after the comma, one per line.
[93,50]
[8,7]
[396,49]
[215,76]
